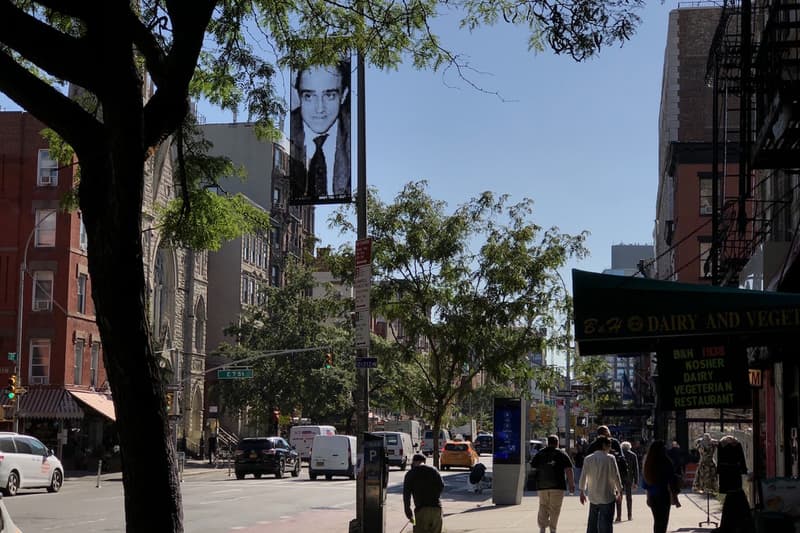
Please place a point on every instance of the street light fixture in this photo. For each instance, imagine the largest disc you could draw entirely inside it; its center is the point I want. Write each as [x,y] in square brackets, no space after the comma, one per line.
[23,268]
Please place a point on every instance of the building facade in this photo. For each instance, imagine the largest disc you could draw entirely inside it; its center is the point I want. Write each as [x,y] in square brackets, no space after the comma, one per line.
[48,335]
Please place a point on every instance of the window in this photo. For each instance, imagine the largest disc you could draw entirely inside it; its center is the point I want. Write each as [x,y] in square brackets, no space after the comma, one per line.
[45,227]
[244,290]
[705,259]
[23,445]
[42,290]
[706,196]
[79,346]
[40,362]
[82,279]
[47,173]
[84,240]
[93,364]
[276,196]
[274,276]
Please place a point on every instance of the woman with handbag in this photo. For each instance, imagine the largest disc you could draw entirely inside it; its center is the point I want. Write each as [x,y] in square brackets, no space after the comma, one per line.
[660,483]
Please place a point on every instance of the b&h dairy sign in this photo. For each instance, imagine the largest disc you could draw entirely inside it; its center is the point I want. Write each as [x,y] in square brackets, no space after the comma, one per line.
[702,376]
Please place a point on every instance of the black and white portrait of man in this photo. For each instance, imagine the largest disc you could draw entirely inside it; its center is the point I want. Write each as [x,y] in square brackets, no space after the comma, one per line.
[320,134]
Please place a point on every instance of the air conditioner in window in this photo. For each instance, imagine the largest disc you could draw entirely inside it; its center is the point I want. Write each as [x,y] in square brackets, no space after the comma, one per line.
[705,209]
[41,305]
[47,179]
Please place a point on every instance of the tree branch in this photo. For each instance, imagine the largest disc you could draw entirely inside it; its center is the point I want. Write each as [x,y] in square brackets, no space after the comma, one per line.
[149,47]
[70,8]
[53,51]
[167,108]
[79,129]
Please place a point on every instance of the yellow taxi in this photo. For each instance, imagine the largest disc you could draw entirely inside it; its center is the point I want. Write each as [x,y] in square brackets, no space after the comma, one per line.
[458,453]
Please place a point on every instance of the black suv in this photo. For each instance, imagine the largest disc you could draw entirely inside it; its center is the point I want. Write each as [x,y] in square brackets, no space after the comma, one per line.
[265,455]
[483,444]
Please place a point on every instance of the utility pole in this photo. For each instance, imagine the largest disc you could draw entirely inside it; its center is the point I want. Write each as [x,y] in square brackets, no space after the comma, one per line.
[568,388]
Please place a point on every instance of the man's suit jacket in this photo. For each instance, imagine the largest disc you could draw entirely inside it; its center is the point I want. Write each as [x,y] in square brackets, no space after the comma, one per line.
[302,187]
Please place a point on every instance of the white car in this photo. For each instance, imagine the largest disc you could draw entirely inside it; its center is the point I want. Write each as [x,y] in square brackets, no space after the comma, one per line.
[27,463]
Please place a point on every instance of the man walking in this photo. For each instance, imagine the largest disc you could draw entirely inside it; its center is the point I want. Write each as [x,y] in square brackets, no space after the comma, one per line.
[600,477]
[425,484]
[629,481]
[553,471]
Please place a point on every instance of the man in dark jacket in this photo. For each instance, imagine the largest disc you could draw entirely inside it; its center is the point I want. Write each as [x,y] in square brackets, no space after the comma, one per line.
[553,470]
[425,484]
[629,481]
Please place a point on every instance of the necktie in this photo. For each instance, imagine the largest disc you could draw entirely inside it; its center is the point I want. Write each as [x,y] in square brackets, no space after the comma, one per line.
[318,169]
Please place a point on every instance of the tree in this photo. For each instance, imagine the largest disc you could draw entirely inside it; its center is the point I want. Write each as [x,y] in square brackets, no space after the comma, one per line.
[291,319]
[117,50]
[463,293]
[594,373]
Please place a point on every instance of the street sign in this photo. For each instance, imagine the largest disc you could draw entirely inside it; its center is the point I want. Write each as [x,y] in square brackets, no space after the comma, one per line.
[567,394]
[366,362]
[12,356]
[234,373]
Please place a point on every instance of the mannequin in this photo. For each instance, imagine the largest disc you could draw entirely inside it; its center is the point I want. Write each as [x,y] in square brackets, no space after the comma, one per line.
[731,466]
[705,480]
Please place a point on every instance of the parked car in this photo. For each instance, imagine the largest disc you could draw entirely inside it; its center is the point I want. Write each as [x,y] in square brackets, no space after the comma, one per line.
[27,463]
[484,444]
[458,453]
[265,455]
[399,448]
[333,455]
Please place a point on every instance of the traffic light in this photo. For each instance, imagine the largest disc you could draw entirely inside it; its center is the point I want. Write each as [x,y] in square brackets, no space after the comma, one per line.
[170,396]
[11,389]
[328,360]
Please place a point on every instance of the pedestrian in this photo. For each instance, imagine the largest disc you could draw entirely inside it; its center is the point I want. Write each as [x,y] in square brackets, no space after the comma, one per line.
[425,484]
[678,458]
[629,481]
[212,448]
[600,478]
[553,470]
[616,451]
[659,480]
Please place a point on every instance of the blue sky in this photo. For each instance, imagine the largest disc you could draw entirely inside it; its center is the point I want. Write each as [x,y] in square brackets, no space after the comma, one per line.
[580,139]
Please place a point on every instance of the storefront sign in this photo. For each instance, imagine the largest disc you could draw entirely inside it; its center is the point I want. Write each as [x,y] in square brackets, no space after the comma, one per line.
[702,376]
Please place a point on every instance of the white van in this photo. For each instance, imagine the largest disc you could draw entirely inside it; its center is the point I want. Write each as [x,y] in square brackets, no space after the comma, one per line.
[301,437]
[333,455]
[399,448]
[427,440]
[26,463]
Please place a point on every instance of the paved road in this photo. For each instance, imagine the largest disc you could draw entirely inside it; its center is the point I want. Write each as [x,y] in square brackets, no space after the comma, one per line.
[213,503]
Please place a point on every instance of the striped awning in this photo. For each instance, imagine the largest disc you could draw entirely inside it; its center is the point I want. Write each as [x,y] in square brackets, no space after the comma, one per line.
[48,403]
[97,401]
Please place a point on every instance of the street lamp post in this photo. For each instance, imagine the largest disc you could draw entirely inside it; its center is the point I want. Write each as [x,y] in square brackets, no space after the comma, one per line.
[23,268]
[568,392]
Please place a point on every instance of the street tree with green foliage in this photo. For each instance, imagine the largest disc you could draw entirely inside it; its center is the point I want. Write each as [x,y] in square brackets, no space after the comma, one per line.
[114,49]
[290,319]
[463,292]
[594,373]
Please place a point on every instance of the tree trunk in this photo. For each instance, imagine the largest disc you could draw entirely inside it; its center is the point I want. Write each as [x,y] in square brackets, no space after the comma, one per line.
[111,193]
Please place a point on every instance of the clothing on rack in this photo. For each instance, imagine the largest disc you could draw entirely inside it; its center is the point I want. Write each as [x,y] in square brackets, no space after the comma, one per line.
[731,464]
[705,479]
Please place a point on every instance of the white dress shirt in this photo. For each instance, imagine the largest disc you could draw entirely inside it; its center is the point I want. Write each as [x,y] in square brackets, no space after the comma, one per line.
[600,478]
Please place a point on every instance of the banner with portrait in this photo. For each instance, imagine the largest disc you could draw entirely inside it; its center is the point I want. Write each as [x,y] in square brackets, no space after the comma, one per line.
[320,140]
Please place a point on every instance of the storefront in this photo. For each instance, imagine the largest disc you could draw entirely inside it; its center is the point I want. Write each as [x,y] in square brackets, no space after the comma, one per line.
[78,425]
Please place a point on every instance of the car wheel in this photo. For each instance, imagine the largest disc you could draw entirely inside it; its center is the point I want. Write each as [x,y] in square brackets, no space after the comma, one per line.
[239,475]
[280,470]
[312,476]
[12,485]
[296,471]
[56,481]
[329,476]
[257,475]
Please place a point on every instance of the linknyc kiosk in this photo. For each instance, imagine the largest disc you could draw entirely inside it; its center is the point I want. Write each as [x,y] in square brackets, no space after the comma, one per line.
[508,480]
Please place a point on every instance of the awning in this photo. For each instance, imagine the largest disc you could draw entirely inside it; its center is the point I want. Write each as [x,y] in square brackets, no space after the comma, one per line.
[621,314]
[48,403]
[97,401]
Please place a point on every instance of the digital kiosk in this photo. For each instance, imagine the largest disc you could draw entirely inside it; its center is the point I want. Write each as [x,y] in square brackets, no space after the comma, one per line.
[508,479]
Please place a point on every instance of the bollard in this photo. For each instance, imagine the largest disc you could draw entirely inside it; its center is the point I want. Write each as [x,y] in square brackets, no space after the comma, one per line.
[99,469]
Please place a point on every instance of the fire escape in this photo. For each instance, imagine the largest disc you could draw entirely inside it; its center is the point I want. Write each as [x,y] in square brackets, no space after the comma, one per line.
[753,67]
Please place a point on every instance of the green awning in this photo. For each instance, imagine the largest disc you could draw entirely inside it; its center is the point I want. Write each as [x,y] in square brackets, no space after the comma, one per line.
[621,314]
